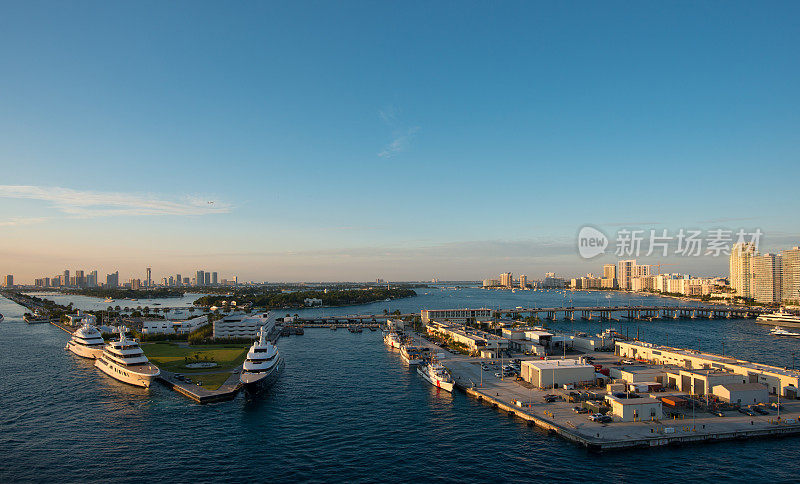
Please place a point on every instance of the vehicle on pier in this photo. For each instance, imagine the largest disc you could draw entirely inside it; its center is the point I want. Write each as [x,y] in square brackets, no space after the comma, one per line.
[125,361]
[263,365]
[86,342]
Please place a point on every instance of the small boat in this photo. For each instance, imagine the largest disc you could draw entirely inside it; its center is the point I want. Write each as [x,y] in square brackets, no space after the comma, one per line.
[778,331]
[108,299]
[411,355]
[437,375]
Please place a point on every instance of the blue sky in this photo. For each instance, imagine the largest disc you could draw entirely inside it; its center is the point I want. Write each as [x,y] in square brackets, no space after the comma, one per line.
[403,140]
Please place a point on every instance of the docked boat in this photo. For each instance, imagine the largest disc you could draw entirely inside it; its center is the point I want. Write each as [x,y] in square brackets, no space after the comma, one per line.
[35,318]
[1,318]
[437,375]
[125,361]
[781,317]
[412,355]
[262,366]
[108,299]
[778,331]
[86,342]
[392,340]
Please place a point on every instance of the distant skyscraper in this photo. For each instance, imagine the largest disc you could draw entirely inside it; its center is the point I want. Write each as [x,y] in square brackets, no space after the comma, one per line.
[740,268]
[610,271]
[9,281]
[214,278]
[186,281]
[66,277]
[91,279]
[112,280]
[523,281]
[507,279]
[625,273]
[790,267]
[80,278]
[766,283]
[200,278]
[178,280]
[149,280]
[207,278]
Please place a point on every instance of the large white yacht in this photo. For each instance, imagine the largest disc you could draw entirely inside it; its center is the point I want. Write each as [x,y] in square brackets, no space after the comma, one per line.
[437,375]
[262,366]
[86,342]
[392,340]
[780,317]
[125,361]
[778,331]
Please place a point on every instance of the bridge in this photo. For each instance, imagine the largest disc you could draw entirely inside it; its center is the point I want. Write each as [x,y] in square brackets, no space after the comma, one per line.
[636,312]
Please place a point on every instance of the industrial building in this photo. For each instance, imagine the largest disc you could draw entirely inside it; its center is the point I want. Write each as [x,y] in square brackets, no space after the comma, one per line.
[775,378]
[742,393]
[454,315]
[631,407]
[550,373]
[474,340]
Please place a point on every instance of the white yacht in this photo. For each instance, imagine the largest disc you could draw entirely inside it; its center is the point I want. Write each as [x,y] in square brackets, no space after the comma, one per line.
[779,317]
[412,355]
[437,375]
[125,361]
[392,340]
[778,331]
[86,342]
[262,366]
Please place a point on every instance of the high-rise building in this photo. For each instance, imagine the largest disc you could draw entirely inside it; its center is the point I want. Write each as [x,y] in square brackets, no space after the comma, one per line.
[625,272]
[112,280]
[740,267]
[507,279]
[67,280]
[136,284]
[790,268]
[609,271]
[91,279]
[8,281]
[214,278]
[149,280]
[178,279]
[207,276]
[200,278]
[80,279]
[523,281]
[765,285]
[186,281]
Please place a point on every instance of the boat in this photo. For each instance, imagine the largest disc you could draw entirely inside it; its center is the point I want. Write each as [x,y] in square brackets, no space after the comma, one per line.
[437,375]
[392,340]
[125,361]
[781,317]
[412,355]
[778,331]
[1,318]
[108,299]
[35,318]
[86,342]
[262,366]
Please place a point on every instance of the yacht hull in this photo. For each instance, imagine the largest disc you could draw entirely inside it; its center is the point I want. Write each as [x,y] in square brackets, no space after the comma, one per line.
[444,385]
[255,383]
[84,351]
[126,375]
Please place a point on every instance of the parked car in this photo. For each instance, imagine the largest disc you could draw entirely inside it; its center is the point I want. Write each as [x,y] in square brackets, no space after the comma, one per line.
[550,398]
[628,362]
[580,410]
[605,419]
[595,417]
[759,409]
[718,413]
[498,375]
[747,411]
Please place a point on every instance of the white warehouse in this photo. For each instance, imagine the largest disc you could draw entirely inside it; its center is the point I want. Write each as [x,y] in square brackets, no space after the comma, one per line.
[547,373]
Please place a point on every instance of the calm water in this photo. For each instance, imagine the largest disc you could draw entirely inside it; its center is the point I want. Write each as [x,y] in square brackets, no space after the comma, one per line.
[346,409]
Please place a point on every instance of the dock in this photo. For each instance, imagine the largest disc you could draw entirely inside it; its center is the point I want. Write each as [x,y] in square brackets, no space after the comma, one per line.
[226,391]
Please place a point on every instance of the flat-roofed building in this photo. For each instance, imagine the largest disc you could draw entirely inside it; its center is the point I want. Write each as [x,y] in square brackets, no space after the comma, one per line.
[700,382]
[632,407]
[242,325]
[776,378]
[742,393]
[474,340]
[455,315]
[547,373]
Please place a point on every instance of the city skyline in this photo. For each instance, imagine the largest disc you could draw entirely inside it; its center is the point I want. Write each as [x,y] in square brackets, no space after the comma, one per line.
[323,146]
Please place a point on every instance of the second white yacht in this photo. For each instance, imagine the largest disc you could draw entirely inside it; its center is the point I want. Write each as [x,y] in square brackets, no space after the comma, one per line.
[125,361]
[262,366]
[86,342]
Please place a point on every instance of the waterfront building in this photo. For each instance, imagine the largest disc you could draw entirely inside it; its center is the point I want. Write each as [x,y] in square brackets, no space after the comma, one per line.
[552,282]
[765,286]
[241,325]
[200,278]
[776,378]
[80,318]
[609,271]
[558,372]
[608,283]
[642,283]
[790,268]
[473,339]
[136,284]
[523,281]
[742,393]
[8,281]
[491,282]
[455,315]
[507,280]
[625,273]
[740,267]
[632,407]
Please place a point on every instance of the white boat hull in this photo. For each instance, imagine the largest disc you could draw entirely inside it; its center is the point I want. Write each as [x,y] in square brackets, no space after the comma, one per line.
[126,375]
[258,382]
[444,385]
[84,351]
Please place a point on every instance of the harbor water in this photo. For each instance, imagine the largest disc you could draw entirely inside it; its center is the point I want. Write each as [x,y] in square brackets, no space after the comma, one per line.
[345,409]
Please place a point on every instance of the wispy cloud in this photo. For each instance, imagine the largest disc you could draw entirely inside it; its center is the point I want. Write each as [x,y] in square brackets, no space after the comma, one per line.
[89,204]
[401,135]
[15,221]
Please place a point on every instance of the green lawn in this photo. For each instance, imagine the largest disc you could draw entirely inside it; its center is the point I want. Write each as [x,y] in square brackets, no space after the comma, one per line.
[212,381]
[171,357]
